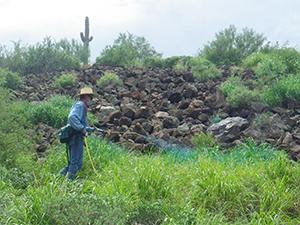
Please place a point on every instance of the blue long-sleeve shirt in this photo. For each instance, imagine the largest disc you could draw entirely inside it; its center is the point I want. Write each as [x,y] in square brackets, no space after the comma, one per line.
[77,117]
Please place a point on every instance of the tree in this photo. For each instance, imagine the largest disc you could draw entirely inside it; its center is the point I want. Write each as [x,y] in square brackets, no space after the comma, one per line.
[231,47]
[127,50]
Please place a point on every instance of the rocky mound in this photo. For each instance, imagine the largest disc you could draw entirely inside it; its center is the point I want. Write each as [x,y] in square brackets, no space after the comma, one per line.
[171,106]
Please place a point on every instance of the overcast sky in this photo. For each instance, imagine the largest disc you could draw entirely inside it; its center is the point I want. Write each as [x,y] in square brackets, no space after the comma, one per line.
[173,27]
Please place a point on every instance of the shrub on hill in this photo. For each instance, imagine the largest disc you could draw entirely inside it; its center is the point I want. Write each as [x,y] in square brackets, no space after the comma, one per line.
[54,112]
[203,69]
[237,94]
[65,80]
[127,50]
[15,146]
[109,78]
[231,47]
[46,56]
[9,79]
[284,91]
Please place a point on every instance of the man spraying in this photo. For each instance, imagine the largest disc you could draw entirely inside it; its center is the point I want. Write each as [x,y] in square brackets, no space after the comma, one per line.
[77,120]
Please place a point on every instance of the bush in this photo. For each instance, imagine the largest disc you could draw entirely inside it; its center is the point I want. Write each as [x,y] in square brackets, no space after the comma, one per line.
[128,51]
[286,90]
[10,79]
[203,69]
[237,94]
[109,78]
[53,112]
[274,63]
[269,69]
[231,47]
[178,63]
[290,57]
[46,56]
[65,80]
[203,140]
[15,144]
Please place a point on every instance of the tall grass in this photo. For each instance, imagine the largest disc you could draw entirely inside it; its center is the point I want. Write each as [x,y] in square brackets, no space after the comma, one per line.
[249,185]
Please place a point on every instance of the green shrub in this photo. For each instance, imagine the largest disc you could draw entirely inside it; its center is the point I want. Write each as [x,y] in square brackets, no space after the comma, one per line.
[269,69]
[65,80]
[45,56]
[109,78]
[273,64]
[286,90]
[127,50]
[10,79]
[54,112]
[15,144]
[180,67]
[290,58]
[237,94]
[203,140]
[203,69]
[253,60]
[231,47]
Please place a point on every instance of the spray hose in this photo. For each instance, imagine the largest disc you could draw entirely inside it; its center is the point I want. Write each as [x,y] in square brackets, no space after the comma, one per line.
[89,155]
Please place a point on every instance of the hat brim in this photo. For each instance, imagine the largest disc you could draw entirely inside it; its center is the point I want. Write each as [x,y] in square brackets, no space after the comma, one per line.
[89,94]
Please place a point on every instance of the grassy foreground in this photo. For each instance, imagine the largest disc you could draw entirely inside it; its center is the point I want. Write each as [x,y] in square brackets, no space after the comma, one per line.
[250,185]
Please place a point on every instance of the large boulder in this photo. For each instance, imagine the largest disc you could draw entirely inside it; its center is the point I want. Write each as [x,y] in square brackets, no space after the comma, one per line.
[229,129]
[170,122]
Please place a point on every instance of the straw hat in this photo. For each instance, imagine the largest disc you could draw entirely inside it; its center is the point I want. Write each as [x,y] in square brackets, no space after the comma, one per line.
[86,91]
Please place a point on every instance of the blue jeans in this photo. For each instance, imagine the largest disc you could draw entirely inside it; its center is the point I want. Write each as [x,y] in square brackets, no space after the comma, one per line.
[75,156]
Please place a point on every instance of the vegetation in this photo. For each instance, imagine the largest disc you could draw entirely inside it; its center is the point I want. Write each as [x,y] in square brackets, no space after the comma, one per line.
[251,185]
[127,51]
[64,80]
[231,47]
[53,112]
[10,79]
[284,91]
[203,69]
[203,140]
[237,94]
[46,56]
[109,78]
[15,147]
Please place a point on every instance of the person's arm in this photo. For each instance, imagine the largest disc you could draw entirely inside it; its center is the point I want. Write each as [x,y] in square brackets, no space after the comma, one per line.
[74,117]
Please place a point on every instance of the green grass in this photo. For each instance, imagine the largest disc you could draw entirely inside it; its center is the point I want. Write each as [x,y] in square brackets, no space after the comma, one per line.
[249,185]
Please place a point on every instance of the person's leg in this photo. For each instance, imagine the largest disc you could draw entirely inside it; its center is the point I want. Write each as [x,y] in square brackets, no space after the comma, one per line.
[76,153]
[64,170]
[80,153]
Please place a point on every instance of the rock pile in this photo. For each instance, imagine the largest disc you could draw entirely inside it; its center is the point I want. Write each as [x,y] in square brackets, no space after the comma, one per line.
[171,106]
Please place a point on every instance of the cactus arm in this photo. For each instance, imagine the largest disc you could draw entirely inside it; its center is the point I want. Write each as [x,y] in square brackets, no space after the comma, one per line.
[82,37]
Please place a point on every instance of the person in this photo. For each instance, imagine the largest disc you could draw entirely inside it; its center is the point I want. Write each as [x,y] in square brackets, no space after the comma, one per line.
[77,119]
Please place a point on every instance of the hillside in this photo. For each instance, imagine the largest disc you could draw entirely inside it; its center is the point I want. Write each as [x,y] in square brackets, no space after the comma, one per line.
[172,106]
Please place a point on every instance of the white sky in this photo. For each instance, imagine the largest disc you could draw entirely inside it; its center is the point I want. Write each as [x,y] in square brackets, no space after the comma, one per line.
[173,27]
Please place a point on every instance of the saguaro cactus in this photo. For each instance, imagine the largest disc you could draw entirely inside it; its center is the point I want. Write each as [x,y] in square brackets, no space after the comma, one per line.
[86,39]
